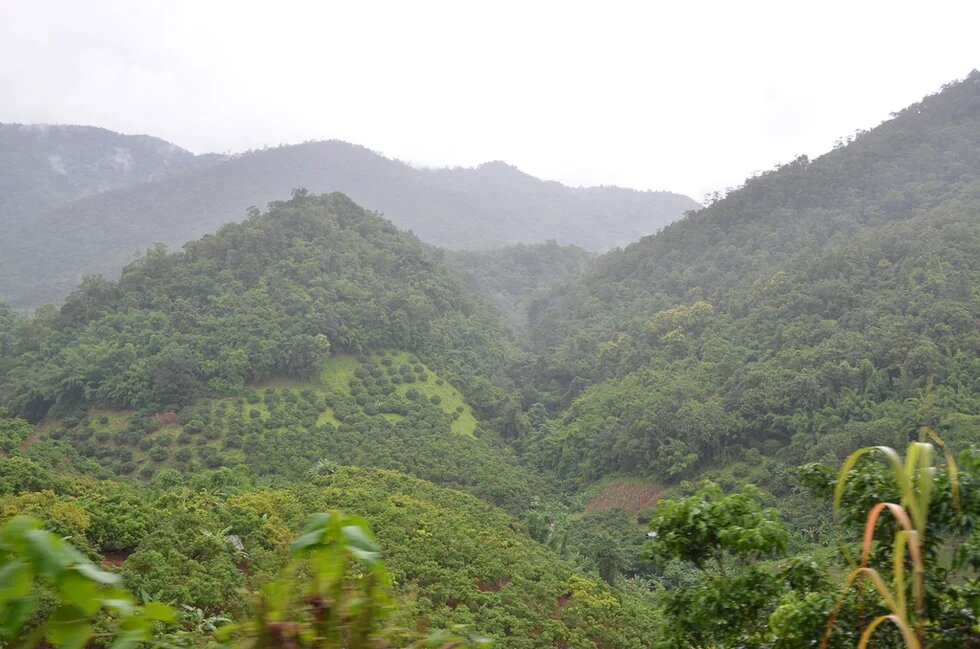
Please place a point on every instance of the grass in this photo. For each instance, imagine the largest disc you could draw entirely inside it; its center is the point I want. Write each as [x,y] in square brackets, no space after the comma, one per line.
[450,398]
[339,370]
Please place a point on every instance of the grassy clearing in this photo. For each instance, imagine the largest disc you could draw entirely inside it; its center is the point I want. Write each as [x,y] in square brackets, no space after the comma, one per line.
[340,370]
[450,399]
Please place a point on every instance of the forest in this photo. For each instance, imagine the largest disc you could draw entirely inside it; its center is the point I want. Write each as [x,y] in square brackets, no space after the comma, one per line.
[757,428]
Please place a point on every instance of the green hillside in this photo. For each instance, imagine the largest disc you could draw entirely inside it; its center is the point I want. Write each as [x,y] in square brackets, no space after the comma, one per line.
[387,410]
[692,442]
[804,315]
[455,560]
[273,297]
[926,157]
[266,345]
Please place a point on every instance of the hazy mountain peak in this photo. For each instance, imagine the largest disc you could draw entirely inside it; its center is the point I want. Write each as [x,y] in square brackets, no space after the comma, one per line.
[492,205]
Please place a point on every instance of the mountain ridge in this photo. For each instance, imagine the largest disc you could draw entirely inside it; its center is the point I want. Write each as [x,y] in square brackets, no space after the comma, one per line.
[491,205]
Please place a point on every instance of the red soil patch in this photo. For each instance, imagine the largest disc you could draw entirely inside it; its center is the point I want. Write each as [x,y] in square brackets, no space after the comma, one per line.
[492,586]
[631,496]
[560,605]
[110,559]
[166,418]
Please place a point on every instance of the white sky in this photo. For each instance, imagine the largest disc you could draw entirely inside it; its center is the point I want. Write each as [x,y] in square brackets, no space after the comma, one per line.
[686,96]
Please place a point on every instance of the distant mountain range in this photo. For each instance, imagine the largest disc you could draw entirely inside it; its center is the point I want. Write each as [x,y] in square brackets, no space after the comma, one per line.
[44,166]
[80,200]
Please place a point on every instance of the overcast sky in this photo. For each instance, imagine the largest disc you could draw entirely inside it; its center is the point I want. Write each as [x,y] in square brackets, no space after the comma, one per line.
[686,96]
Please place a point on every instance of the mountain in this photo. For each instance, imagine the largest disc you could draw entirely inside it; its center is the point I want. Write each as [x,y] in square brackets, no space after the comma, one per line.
[186,419]
[351,340]
[492,205]
[822,306]
[309,359]
[44,166]
[271,297]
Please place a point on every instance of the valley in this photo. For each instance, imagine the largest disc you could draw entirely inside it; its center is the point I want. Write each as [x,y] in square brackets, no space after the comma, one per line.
[552,447]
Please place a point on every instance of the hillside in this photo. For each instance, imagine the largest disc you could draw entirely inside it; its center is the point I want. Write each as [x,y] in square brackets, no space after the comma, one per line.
[455,559]
[654,466]
[271,297]
[823,306]
[311,358]
[44,166]
[926,156]
[491,205]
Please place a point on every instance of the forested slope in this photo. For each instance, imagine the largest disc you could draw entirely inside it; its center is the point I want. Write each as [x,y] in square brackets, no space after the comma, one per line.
[491,205]
[823,306]
[927,155]
[192,415]
[455,559]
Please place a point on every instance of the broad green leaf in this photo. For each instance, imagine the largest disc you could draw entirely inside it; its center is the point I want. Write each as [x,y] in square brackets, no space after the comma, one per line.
[308,540]
[15,580]
[67,625]
[129,639]
[80,591]
[48,552]
[120,605]
[159,611]
[359,538]
[93,572]
[15,615]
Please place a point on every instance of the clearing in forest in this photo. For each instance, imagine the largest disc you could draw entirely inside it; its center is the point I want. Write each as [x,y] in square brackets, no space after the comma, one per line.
[632,496]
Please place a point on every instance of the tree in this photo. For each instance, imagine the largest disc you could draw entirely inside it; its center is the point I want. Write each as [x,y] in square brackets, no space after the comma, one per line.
[729,532]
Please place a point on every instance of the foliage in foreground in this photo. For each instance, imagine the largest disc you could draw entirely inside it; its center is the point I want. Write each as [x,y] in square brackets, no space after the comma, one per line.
[922,563]
[52,594]
[905,602]
[334,593]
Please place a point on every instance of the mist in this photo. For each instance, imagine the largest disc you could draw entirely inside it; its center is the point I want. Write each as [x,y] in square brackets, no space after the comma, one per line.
[690,98]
